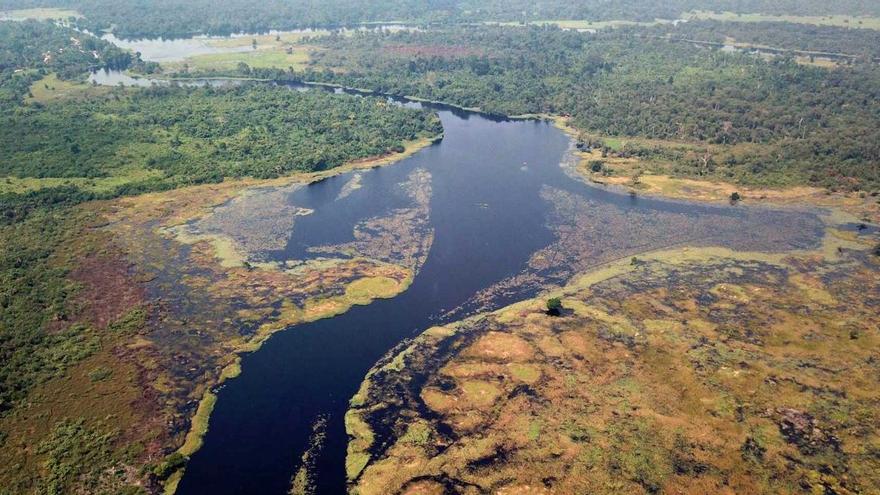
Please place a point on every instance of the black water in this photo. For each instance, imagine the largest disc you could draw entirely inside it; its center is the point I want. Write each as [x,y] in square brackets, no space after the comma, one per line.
[488,219]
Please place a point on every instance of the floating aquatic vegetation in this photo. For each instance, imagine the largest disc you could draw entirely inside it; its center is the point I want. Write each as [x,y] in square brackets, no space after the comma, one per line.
[303,482]
[197,253]
[589,234]
[403,236]
[257,220]
[353,184]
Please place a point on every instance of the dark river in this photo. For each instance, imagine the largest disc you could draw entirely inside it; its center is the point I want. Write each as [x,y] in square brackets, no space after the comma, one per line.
[489,217]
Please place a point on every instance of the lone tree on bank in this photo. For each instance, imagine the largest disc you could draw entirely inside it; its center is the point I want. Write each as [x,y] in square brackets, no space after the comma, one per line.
[554,306]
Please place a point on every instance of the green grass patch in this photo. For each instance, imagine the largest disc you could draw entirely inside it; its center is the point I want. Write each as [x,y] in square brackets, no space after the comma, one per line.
[98,185]
[525,372]
[418,433]
[360,430]
[274,58]
[51,88]
[355,463]
[47,14]
[272,40]
[534,430]
[614,144]
[199,425]
[366,289]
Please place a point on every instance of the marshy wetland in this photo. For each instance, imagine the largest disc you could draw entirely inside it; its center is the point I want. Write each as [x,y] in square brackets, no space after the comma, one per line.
[681,371]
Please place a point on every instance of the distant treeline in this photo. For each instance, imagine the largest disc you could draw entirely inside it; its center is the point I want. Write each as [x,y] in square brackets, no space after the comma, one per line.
[183,18]
[31,44]
[860,44]
[808,125]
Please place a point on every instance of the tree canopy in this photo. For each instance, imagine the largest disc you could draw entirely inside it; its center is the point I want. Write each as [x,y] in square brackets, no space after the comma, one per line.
[808,125]
[184,18]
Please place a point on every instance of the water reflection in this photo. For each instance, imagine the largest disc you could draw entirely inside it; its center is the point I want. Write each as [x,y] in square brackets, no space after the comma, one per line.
[115,78]
[164,50]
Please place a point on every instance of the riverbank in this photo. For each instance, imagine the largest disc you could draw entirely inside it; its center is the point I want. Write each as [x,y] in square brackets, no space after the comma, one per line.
[652,178]
[629,173]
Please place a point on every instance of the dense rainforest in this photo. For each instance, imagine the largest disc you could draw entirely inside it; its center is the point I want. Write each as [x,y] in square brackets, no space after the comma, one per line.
[782,122]
[196,135]
[172,18]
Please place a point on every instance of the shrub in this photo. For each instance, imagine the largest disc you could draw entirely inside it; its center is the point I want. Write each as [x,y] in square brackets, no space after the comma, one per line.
[171,464]
[752,450]
[554,306]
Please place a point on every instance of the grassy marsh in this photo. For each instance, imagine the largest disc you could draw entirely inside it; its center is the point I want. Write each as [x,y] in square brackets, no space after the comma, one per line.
[261,58]
[693,371]
[279,51]
[51,88]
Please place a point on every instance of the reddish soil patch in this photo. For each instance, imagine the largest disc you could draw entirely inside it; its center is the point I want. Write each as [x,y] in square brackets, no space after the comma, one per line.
[501,346]
[442,51]
[108,290]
